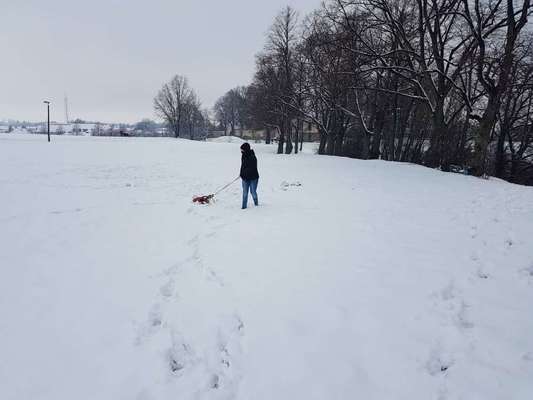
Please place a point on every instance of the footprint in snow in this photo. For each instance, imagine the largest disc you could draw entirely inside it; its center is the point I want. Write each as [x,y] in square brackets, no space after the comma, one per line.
[210,234]
[528,273]
[180,355]
[438,362]
[144,394]
[59,212]
[155,316]
[178,358]
[167,289]
[482,275]
[151,326]
[215,230]
[461,318]
[173,269]
[224,365]
[214,381]
[193,241]
[448,293]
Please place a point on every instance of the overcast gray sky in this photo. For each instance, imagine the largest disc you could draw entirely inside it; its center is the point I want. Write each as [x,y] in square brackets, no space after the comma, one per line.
[111,56]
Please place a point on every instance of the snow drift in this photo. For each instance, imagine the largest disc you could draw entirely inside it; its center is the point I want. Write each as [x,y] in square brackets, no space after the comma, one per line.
[227,139]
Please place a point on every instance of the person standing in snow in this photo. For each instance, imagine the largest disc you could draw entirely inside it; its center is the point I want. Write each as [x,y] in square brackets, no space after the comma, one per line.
[249,174]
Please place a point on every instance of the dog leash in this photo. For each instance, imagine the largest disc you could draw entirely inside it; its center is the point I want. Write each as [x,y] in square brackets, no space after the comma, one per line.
[226,186]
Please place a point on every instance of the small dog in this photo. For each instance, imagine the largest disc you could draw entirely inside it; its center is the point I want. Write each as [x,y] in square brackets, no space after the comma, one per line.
[203,199]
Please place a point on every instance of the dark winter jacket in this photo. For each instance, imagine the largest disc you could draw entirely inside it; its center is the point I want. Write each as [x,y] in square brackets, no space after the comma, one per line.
[249,166]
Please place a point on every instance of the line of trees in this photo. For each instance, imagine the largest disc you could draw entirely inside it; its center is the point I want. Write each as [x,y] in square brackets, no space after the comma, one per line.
[231,111]
[444,83]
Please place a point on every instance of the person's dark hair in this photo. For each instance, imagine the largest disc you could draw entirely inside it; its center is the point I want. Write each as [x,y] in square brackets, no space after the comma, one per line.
[245,146]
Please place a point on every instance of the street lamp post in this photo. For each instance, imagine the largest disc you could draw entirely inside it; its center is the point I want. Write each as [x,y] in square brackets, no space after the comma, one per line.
[48,110]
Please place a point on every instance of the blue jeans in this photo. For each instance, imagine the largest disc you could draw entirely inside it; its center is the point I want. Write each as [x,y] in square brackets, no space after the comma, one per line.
[252,187]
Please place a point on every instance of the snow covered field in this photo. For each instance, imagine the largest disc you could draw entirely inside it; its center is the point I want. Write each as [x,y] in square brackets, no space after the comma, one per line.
[352,280]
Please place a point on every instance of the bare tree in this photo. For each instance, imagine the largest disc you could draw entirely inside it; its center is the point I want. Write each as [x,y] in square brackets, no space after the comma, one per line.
[170,102]
[281,43]
[513,147]
[221,114]
[493,68]
[231,110]
[193,117]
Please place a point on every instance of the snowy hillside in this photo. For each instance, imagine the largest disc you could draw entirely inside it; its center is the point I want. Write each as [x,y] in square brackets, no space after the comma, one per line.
[351,280]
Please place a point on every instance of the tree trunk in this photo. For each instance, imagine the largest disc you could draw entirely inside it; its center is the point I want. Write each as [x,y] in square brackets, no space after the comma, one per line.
[339,142]
[288,144]
[296,136]
[301,138]
[330,144]
[500,161]
[365,146]
[482,137]
[322,145]
[281,140]
[434,153]
[514,170]
[375,145]
[268,135]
